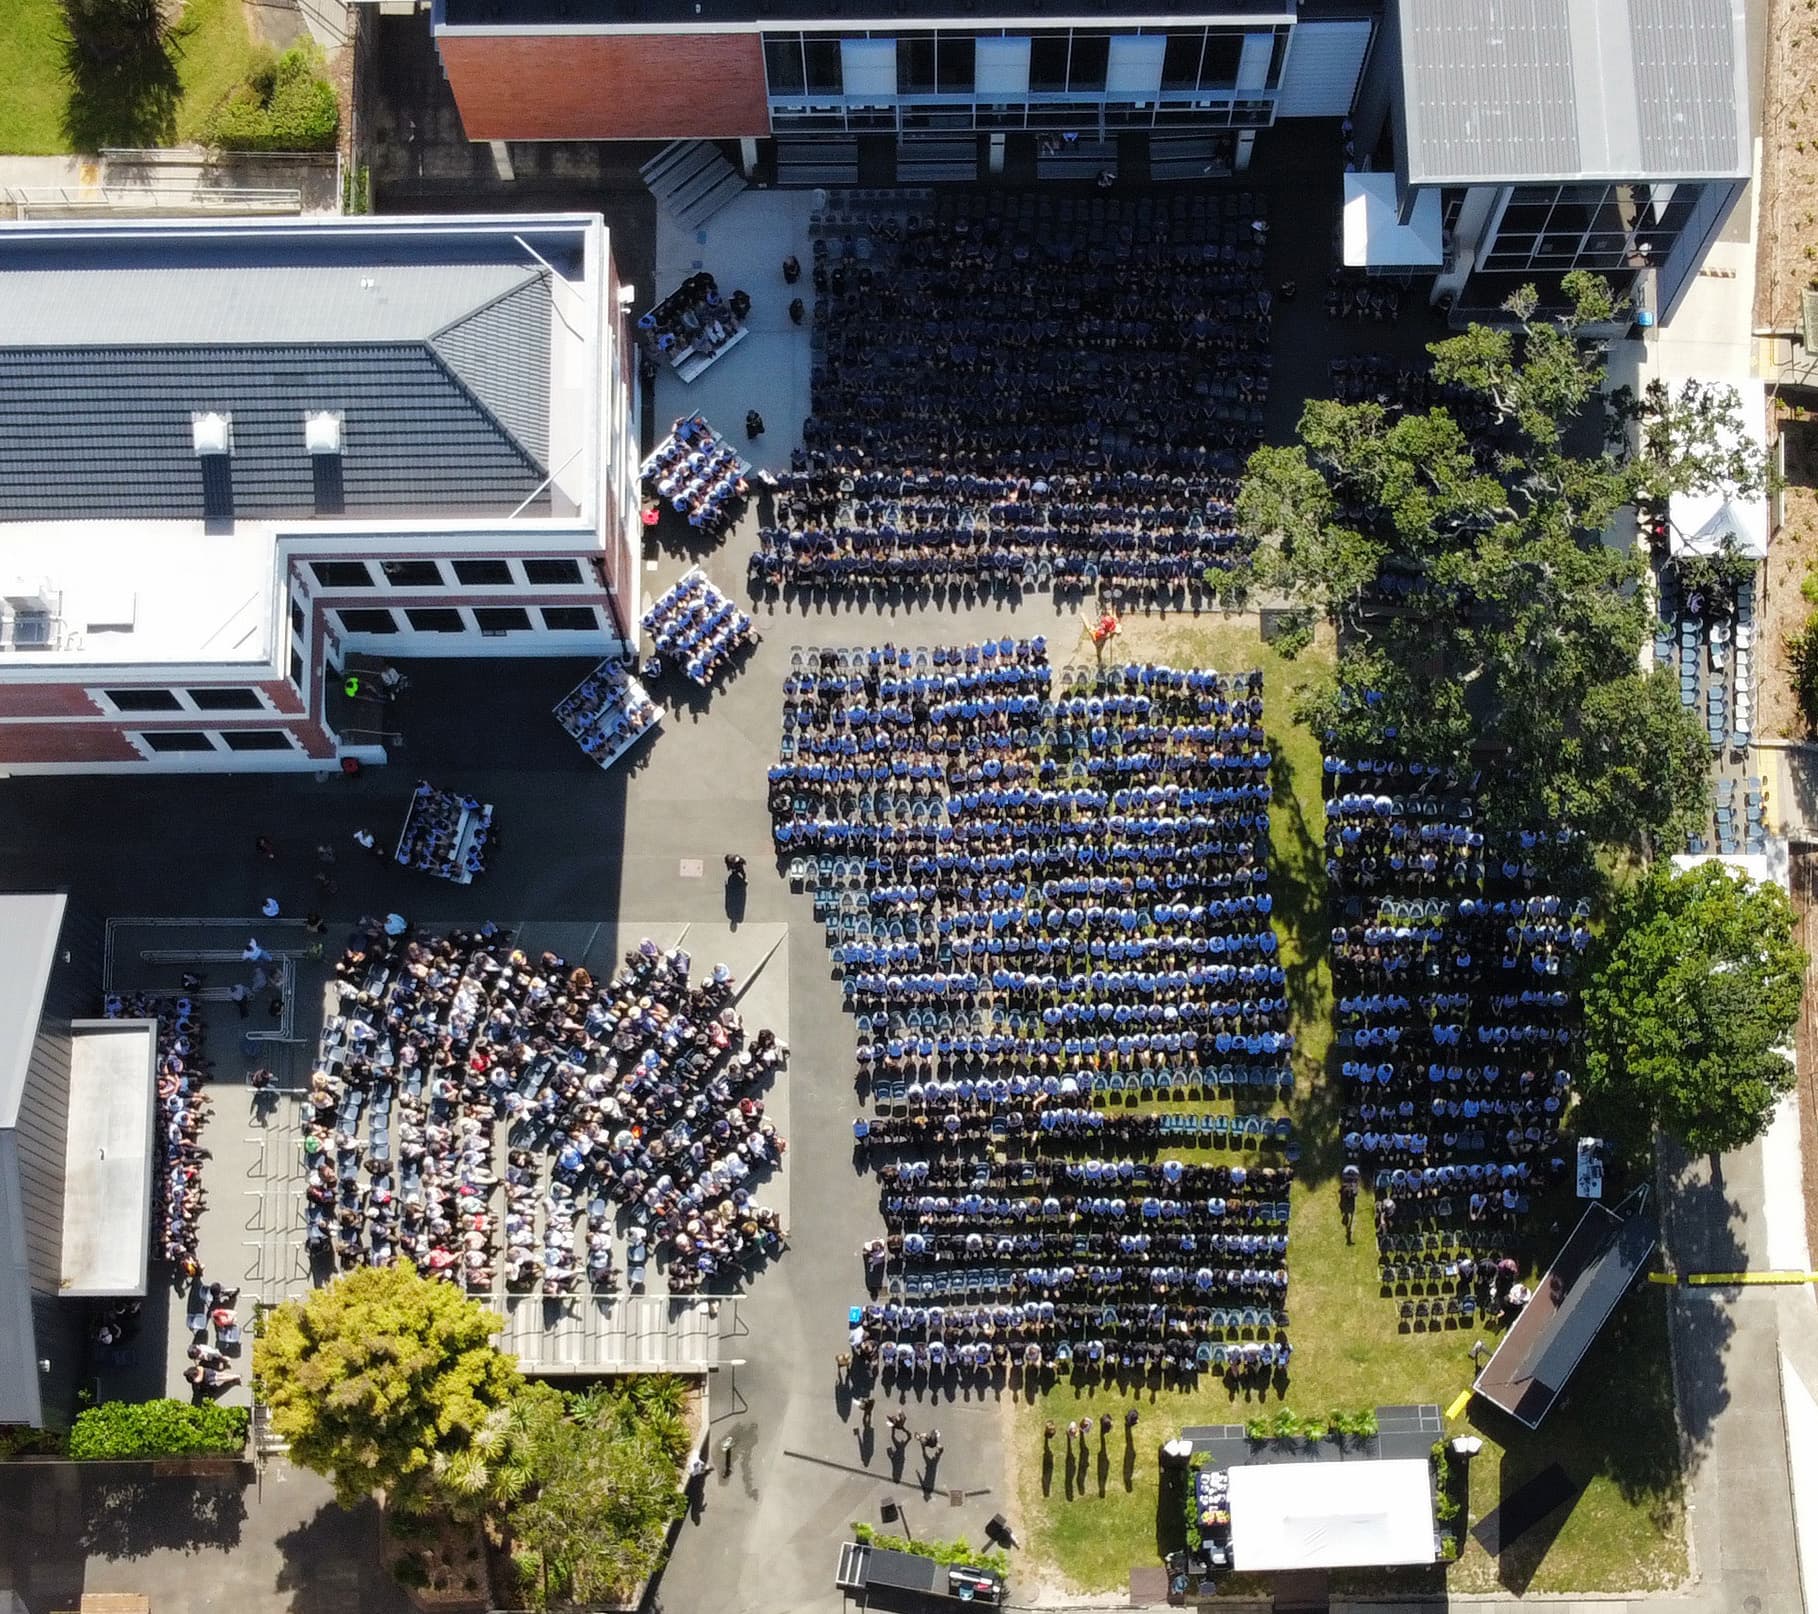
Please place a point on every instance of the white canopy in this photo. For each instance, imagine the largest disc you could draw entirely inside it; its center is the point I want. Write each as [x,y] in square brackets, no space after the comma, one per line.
[107,1173]
[1375,237]
[1342,1515]
[1699,522]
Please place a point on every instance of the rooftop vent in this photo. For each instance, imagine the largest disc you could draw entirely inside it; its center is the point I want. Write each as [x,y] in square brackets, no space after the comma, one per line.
[322,432]
[212,433]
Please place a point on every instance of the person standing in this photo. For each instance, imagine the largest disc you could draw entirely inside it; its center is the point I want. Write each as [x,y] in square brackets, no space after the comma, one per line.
[735,868]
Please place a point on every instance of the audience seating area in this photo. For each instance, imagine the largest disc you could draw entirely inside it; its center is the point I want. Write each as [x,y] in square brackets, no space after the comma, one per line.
[1046,893]
[1026,390]
[1455,969]
[457,1065]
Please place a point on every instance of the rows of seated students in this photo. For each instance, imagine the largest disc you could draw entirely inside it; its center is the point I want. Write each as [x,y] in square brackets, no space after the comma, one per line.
[1457,1008]
[640,1094]
[1120,816]
[1015,391]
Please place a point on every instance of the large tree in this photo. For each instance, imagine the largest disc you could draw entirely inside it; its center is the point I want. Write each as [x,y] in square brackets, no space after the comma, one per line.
[1690,1008]
[1459,550]
[383,1379]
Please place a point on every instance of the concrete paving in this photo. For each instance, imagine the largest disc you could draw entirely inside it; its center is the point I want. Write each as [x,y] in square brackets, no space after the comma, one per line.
[274,1543]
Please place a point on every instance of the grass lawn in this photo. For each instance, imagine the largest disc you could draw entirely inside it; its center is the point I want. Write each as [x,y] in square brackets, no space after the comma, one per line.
[1615,1433]
[53,101]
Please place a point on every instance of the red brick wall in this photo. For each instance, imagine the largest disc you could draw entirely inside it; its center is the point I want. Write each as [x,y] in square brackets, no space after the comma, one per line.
[64,742]
[45,700]
[607,86]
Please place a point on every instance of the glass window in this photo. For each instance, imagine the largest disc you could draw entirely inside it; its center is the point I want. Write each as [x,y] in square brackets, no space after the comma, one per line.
[296,668]
[1219,69]
[341,573]
[1180,62]
[822,59]
[144,700]
[1571,218]
[1091,58]
[501,619]
[915,65]
[569,618]
[553,569]
[227,700]
[1530,217]
[484,573]
[1048,62]
[412,573]
[1524,244]
[296,616]
[256,739]
[367,622]
[959,53]
[435,620]
[1559,246]
[177,740]
[783,65]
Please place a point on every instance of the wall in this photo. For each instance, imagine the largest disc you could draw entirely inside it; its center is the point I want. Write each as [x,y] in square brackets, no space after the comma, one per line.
[607,86]
[41,1139]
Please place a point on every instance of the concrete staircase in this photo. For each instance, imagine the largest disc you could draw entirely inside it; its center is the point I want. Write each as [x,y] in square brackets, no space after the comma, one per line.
[591,1334]
[692,180]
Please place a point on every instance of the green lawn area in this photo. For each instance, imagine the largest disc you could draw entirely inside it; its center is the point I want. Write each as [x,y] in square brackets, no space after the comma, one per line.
[1616,1432]
[53,100]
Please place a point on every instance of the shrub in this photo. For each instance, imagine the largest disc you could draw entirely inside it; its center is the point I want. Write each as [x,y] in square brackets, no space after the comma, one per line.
[284,104]
[118,1430]
[1803,651]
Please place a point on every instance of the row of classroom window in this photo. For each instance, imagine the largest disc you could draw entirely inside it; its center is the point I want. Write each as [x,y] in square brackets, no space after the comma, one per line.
[489,619]
[988,64]
[547,571]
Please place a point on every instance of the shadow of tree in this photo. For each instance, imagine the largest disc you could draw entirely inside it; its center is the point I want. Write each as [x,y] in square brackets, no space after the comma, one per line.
[129,1514]
[123,95]
[330,1563]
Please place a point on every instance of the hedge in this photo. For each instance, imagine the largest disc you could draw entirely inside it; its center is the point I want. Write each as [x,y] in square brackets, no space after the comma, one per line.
[284,105]
[119,1430]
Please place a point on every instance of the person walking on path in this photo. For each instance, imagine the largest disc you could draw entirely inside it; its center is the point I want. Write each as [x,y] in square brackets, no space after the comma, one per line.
[269,907]
[898,1423]
[735,868]
[866,1404]
[369,842]
[240,993]
[754,424]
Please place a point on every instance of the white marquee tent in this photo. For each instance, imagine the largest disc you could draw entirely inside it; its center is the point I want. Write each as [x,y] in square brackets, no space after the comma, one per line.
[1699,522]
[1331,1515]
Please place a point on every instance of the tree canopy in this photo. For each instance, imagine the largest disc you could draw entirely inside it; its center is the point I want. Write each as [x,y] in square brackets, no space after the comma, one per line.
[1691,1000]
[607,1474]
[1459,551]
[381,1380]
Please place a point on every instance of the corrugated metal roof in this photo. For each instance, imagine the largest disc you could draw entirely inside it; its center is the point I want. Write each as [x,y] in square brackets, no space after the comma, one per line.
[29,926]
[106,431]
[1515,90]
[1685,82]
[1489,88]
[189,304]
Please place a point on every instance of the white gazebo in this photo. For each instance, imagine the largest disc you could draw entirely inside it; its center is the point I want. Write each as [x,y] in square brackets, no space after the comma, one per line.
[1698,523]
[1347,1515]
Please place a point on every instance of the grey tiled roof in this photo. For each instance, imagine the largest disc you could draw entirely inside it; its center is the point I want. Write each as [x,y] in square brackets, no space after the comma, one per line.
[101,431]
[1513,90]
[501,351]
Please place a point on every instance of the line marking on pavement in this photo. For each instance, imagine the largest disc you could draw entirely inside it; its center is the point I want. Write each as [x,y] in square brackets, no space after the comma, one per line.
[1458,1406]
[1715,1280]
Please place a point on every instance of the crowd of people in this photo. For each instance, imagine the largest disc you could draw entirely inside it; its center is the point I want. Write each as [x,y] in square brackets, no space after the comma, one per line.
[692,319]
[607,712]
[446,833]
[1030,391]
[637,1099]
[1457,1014]
[699,474]
[1044,891]
[178,1197]
[697,628]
